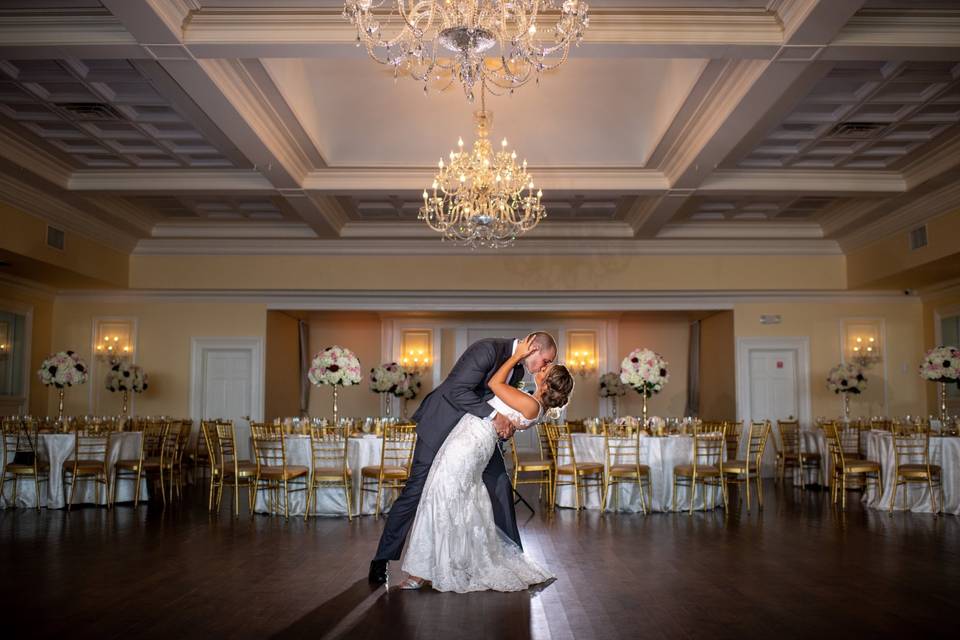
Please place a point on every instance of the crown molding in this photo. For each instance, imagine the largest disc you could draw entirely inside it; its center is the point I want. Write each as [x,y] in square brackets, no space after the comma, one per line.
[170,180]
[803,182]
[51,209]
[259,246]
[898,28]
[82,28]
[203,229]
[405,230]
[937,161]
[28,286]
[34,159]
[923,208]
[934,292]
[772,229]
[521,300]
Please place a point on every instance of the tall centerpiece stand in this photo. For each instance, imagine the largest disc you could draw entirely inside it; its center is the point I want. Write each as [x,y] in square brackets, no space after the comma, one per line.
[845,379]
[645,371]
[125,378]
[385,380]
[335,367]
[942,365]
[62,370]
[612,387]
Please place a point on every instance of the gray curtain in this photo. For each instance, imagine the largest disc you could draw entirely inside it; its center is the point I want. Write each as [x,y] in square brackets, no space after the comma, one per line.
[304,367]
[693,372]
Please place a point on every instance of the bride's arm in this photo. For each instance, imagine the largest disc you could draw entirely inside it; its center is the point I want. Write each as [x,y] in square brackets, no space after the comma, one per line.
[511,396]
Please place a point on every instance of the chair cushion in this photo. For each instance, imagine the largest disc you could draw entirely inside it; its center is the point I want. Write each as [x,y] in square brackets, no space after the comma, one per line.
[26,469]
[281,473]
[739,466]
[861,466]
[391,472]
[84,466]
[245,469]
[628,470]
[330,472]
[583,468]
[702,470]
[534,464]
[917,470]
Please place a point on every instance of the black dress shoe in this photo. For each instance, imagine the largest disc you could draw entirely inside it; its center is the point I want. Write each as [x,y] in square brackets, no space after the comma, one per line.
[378,572]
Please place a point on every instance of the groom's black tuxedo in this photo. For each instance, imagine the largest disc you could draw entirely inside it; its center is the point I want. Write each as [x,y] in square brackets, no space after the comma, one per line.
[464,391]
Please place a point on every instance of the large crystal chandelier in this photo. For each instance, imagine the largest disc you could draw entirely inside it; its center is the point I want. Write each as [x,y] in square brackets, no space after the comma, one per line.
[502,44]
[482,198]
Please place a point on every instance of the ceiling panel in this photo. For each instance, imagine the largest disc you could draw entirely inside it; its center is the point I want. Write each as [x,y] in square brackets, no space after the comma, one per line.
[102,114]
[754,209]
[214,208]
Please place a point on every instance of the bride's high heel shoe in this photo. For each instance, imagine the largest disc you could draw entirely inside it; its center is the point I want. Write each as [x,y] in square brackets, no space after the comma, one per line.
[412,584]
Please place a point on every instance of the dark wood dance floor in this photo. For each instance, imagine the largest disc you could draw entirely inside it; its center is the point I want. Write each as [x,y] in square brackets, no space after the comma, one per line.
[799,570]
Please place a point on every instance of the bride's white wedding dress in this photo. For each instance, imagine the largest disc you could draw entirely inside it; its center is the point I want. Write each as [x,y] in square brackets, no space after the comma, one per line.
[454,542]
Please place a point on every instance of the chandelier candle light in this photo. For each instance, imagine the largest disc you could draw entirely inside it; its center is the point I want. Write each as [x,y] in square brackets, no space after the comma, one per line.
[500,44]
[482,198]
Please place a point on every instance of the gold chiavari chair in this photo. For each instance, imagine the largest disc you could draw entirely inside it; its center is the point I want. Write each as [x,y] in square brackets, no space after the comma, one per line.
[328,465]
[624,466]
[538,464]
[731,434]
[183,429]
[88,464]
[200,457]
[912,459]
[21,457]
[396,457]
[705,470]
[148,460]
[741,471]
[881,424]
[273,472]
[853,468]
[790,453]
[579,475]
[231,471]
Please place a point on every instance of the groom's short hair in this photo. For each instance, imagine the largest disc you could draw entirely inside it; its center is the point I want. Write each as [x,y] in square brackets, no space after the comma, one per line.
[544,340]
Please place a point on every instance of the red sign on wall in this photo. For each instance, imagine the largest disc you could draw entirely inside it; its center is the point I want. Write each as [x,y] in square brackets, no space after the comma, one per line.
[779,364]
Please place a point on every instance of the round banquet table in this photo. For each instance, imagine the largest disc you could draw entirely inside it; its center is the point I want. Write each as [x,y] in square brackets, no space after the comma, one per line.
[362,451]
[944,452]
[57,448]
[661,454]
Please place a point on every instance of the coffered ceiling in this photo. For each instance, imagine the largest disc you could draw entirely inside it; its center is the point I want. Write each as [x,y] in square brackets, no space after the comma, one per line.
[187,125]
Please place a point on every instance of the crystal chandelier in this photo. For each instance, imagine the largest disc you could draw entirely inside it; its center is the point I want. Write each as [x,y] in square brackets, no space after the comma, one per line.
[502,44]
[482,198]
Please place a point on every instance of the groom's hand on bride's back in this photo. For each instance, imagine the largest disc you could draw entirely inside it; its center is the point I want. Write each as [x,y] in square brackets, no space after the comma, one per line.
[503,426]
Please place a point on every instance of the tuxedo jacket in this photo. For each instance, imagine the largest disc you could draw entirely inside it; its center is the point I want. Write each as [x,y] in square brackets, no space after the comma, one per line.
[464,390]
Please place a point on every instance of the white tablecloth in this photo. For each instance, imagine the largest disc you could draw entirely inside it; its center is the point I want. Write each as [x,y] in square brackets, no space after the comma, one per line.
[944,452]
[660,454]
[815,442]
[362,451]
[57,448]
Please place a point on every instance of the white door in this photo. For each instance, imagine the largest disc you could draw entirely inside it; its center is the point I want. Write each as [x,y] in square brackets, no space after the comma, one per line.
[772,384]
[227,384]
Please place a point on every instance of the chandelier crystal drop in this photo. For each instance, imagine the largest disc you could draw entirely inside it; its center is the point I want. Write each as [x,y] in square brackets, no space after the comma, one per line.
[482,198]
[501,44]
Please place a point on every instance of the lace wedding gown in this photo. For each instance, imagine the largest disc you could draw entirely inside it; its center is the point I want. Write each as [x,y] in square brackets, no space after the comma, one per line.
[454,542]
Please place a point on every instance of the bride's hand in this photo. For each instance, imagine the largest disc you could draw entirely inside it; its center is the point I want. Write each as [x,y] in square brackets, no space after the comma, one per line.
[526,347]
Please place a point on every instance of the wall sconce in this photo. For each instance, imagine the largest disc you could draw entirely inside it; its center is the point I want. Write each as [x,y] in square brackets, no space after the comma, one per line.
[112,341]
[416,356]
[582,352]
[582,363]
[4,340]
[863,344]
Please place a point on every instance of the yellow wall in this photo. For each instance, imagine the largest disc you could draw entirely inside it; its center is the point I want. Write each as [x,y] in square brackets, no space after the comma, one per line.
[281,366]
[163,346]
[946,302]
[80,261]
[884,259]
[669,336]
[822,323]
[40,339]
[485,273]
[359,332]
[718,388]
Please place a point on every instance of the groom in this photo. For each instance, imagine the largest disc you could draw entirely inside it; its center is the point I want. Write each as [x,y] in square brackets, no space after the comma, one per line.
[464,391]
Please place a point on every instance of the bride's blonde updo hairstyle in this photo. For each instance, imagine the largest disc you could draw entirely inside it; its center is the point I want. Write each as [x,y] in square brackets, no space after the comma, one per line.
[557,387]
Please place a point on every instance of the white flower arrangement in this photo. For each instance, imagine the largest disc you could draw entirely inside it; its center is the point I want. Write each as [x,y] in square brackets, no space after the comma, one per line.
[941,364]
[846,378]
[63,369]
[409,387]
[645,371]
[386,378]
[335,366]
[124,376]
[611,386]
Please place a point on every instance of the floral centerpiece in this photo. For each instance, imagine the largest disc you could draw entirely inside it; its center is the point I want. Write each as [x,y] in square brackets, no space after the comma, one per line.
[61,370]
[335,367]
[125,378]
[612,387]
[942,365]
[408,389]
[846,379]
[385,379]
[646,371]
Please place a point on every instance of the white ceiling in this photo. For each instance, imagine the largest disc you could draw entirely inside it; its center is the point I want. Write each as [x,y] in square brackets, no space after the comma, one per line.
[706,121]
[592,112]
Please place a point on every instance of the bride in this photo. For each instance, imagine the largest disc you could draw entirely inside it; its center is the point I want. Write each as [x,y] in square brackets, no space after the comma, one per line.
[454,544]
